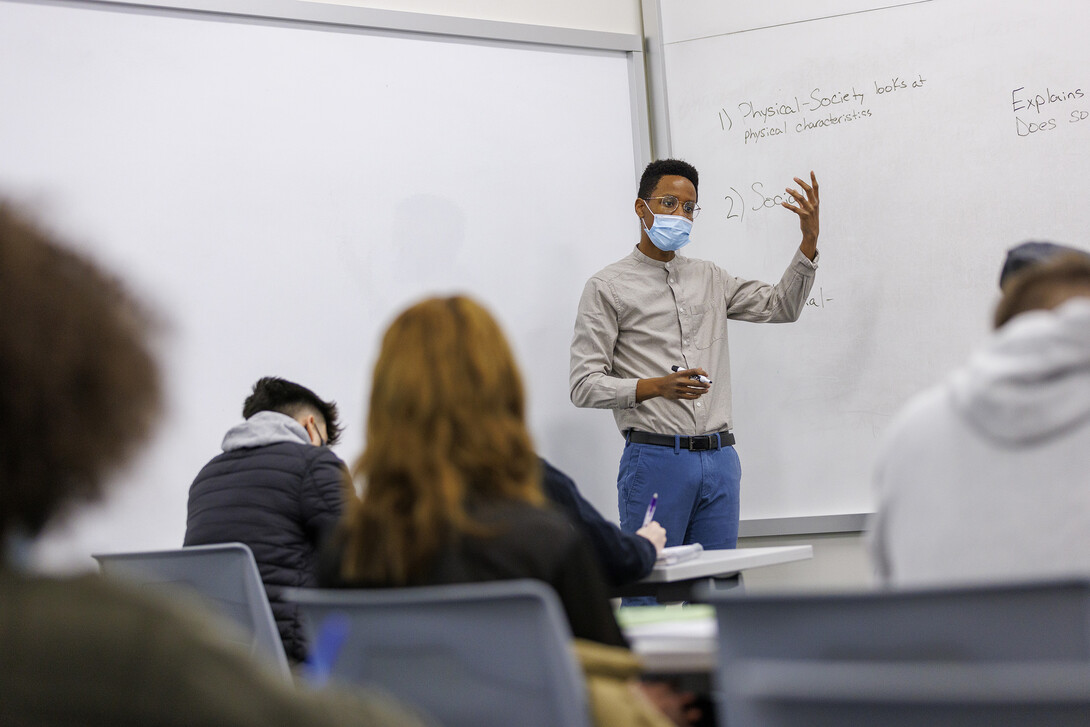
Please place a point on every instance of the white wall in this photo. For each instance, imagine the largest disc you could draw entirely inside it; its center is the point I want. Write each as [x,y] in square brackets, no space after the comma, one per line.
[611,16]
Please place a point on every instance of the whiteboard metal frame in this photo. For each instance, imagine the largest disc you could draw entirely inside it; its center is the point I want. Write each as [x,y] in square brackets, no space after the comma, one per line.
[807,525]
[659,109]
[401,23]
[378,19]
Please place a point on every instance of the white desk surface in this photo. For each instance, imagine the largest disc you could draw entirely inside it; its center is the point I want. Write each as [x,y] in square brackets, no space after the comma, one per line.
[727,562]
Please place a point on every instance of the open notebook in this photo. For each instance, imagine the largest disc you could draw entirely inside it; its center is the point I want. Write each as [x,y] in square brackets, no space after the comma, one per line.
[679,553]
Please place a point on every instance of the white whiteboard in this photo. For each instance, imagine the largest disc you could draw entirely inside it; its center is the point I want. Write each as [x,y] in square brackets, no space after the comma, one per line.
[279,190]
[926,181]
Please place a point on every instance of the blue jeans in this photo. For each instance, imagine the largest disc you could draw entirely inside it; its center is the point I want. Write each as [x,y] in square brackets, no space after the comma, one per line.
[698,495]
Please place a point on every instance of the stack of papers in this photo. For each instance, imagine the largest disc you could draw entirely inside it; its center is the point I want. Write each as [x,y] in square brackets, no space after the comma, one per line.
[672,639]
[679,553]
[689,618]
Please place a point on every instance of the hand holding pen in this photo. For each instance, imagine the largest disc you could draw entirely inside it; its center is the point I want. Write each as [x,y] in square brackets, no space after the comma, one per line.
[650,515]
[651,530]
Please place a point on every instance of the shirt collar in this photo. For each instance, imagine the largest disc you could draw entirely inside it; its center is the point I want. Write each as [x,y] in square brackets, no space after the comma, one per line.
[641,258]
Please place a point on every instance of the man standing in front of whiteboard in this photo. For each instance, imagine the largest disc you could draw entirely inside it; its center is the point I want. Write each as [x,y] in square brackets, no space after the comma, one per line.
[654,310]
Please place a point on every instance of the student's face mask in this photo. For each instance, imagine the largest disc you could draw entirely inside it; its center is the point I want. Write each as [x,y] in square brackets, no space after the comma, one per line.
[669,232]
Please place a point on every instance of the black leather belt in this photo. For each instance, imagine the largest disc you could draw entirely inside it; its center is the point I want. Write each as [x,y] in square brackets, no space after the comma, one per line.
[697,443]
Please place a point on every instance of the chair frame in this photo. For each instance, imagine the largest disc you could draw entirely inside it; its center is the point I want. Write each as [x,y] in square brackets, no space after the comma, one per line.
[480,654]
[907,656]
[225,578]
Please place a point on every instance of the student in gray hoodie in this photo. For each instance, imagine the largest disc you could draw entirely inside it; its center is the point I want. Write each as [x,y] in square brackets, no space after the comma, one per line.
[984,477]
[278,488]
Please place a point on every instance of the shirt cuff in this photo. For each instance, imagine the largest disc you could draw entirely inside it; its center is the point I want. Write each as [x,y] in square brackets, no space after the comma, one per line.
[807,262]
[626,393]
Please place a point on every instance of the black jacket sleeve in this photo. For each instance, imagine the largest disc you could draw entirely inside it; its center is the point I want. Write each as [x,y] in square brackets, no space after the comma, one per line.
[624,557]
[324,491]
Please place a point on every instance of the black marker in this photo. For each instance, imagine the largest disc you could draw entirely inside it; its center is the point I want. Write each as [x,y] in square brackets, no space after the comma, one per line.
[698,377]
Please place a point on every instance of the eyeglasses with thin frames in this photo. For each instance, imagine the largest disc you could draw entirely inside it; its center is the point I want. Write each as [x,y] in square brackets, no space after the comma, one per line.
[670,203]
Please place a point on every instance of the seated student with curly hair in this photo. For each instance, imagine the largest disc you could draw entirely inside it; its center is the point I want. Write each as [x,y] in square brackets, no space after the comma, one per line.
[80,392]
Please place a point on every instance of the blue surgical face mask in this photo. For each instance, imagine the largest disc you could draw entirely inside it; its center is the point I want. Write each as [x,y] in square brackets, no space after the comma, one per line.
[669,232]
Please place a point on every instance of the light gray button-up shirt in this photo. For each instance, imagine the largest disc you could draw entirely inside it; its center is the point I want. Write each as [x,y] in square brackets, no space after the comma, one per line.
[640,316]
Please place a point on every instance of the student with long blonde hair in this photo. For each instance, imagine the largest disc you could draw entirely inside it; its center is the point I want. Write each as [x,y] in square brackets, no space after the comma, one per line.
[451,483]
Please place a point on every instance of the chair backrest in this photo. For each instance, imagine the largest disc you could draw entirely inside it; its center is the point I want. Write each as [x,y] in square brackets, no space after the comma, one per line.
[903,694]
[481,654]
[922,631]
[1035,620]
[224,576]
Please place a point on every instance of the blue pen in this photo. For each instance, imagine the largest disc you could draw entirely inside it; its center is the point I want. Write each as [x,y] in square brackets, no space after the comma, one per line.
[651,510]
[698,377]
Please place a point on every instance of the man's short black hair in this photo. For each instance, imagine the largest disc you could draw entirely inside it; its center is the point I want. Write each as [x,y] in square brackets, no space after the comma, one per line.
[271,393]
[660,168]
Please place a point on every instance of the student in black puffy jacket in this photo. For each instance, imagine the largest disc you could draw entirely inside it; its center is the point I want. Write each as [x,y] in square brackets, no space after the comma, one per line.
[276,487]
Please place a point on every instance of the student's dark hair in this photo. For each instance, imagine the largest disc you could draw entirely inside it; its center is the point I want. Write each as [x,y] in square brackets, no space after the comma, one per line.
[272,393]
[1044,286]
[660,168]
[79,386]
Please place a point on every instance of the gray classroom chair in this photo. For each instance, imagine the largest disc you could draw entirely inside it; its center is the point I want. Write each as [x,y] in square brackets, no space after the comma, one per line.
[892,656]
[816,693]
[480,654]
[224,576]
